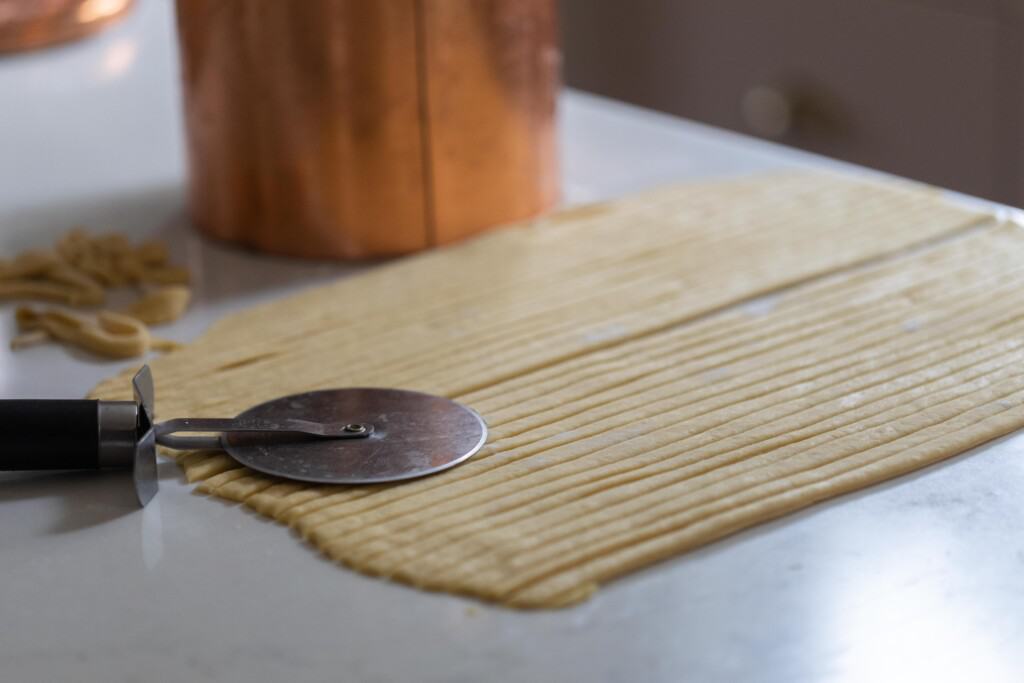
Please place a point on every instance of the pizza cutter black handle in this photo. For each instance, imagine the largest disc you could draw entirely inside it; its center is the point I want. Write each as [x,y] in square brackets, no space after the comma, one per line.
[49,434]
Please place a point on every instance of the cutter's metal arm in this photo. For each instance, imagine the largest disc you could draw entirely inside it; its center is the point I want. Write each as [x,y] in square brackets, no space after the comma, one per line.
[166,432]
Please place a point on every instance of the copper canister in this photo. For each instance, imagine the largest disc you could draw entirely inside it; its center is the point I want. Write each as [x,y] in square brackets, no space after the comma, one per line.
[367,128]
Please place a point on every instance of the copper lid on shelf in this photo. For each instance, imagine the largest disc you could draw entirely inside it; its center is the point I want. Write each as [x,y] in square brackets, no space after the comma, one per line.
[30,24]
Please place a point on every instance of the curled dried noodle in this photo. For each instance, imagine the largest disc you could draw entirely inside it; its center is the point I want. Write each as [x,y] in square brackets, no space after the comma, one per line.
[107,333]
[160,306]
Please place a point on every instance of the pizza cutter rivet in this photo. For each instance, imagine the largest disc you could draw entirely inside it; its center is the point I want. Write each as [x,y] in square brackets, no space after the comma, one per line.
[355,428]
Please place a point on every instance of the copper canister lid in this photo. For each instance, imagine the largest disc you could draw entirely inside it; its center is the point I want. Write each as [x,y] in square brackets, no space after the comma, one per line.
[29,24]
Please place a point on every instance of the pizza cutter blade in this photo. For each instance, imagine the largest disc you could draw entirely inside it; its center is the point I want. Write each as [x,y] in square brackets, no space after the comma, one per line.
[334,436]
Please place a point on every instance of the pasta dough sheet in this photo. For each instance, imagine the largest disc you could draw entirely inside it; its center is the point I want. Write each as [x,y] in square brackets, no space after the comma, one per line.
[642,399]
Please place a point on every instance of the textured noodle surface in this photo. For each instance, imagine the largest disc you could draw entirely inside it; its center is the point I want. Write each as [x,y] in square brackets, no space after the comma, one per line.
[642,399]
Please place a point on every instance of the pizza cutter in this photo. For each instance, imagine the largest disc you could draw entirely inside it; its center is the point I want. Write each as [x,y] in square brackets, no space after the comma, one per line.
[334,436]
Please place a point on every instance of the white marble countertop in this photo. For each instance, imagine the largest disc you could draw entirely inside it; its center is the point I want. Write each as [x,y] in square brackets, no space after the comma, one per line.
[918,579]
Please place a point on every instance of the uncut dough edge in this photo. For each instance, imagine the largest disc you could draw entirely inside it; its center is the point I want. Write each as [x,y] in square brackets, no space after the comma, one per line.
[219,475]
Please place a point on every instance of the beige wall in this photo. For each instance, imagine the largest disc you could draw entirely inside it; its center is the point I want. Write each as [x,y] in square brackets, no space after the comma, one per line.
[929,89]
